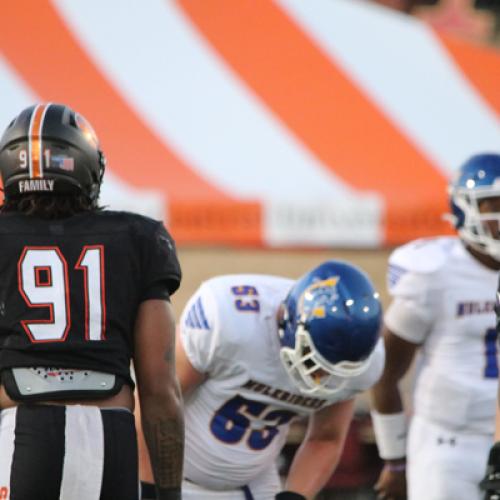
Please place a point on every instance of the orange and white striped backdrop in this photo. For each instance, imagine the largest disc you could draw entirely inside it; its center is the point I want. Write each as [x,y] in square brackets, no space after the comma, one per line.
[259,122]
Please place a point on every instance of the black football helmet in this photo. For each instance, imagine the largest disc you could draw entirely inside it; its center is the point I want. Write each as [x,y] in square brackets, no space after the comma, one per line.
[50,148]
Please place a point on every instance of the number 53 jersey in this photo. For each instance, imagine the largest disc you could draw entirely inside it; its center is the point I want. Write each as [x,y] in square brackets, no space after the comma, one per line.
[70,288]
[237,420]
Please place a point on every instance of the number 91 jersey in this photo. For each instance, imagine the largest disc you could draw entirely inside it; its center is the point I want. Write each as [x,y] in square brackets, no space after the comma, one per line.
[237,420]
[70,288]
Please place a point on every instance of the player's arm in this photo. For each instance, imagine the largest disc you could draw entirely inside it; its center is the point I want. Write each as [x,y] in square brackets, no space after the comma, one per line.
[145,471]
[319,453]
[188,378]
[497,417]
[388,416]
[159,395]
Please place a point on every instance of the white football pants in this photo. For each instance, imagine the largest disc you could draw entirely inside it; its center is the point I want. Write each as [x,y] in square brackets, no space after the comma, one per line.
[445,464]
[263,488]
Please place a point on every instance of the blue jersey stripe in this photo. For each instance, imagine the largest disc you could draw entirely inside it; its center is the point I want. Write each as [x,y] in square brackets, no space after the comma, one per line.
[196,317]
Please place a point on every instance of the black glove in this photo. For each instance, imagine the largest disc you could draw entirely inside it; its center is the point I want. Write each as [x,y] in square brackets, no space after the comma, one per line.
[289,495]
[491,482]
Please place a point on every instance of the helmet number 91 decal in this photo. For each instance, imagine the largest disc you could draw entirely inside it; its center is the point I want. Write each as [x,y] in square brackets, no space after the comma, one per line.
[23,158]
[50,161]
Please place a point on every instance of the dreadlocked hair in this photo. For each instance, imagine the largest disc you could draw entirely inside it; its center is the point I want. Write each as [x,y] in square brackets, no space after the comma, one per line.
[49,206]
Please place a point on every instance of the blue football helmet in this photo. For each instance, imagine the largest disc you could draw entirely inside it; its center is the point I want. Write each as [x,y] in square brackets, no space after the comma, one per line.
[477,179]
[329,327]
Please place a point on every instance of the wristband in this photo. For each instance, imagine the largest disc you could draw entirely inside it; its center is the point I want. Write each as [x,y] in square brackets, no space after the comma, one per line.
[395,467]
[390,434]
[289,495]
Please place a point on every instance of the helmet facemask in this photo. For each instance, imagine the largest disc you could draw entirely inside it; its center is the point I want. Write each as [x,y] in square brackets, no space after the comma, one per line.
[328,328]
[311,373]
[480,228]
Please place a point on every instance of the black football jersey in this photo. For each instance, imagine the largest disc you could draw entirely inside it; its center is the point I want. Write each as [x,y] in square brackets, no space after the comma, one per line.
[70,288]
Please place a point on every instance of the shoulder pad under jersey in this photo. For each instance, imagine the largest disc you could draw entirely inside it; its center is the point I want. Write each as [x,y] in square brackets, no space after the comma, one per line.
[419,259]
[425,255]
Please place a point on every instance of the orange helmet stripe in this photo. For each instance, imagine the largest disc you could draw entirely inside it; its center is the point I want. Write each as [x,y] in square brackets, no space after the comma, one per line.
[35,141]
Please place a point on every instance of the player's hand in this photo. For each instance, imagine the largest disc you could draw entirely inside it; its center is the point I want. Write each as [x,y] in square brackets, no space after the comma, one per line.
[491,495]
[391,484]
[491,482]
[491,488]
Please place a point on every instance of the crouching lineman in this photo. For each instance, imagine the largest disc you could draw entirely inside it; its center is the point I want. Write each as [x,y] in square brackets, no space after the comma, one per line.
[257,351]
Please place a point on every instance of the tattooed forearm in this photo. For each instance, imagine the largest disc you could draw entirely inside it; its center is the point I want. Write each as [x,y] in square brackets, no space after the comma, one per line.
[169,356]
[165,439]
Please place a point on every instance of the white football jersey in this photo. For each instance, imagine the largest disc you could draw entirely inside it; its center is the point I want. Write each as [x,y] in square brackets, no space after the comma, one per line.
[443,299]
[237,420]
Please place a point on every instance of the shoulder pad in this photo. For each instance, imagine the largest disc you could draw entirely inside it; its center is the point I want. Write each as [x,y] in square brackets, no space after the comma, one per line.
[425,255]
[129,216]
[419,258]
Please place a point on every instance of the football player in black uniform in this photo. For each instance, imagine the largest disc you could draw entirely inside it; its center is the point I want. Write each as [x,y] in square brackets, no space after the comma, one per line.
[82,292]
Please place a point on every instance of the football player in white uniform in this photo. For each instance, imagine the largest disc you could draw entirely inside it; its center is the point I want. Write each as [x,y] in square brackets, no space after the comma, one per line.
[443,292]
[255,352]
